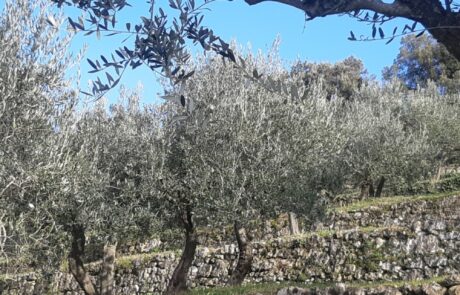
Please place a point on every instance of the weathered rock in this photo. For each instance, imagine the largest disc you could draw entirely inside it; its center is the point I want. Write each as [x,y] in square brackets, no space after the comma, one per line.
[433,289]
[294,291]
[355,291]
[454,290]
[450,281]
[384,290]
[411,290]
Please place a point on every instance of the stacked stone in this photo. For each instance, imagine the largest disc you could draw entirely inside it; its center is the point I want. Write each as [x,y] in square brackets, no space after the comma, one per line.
[449,286]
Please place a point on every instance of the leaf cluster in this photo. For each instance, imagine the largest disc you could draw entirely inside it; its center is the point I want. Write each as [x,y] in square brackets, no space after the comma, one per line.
[159,39]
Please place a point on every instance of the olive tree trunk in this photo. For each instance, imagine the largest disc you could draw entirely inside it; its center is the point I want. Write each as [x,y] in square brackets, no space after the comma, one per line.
[75,260]
[178,282]
[366,189]
[245,257]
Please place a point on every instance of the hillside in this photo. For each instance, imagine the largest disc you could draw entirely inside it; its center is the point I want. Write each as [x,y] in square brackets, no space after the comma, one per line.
[397,240]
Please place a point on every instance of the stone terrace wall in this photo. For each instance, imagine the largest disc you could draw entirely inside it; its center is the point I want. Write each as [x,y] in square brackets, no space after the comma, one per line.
[424,244]
[407,214]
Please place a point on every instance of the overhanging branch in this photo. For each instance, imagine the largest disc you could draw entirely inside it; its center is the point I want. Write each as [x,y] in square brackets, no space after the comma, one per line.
[315,8]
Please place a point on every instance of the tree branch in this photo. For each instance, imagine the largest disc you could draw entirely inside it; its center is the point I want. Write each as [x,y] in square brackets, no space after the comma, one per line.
[315,8]
[447,3]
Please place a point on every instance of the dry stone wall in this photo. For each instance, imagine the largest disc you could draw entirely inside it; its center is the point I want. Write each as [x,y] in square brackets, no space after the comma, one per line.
[424,243]
[406,214]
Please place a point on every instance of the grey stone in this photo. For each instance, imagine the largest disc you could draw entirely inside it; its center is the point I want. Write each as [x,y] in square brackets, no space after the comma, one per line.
[433,289]
[451,281]
[355,291]
[293,291]
[384,290]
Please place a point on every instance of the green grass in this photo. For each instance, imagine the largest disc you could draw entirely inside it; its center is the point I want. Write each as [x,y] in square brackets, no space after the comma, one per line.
[250,289]
[126,262]
[329,232]
[388,201]
[396,284]
[272,288]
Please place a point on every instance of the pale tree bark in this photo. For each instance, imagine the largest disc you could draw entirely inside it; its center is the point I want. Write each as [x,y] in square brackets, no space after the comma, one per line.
[75,260]
[178,282]
[441,21]
[108,269]
[439,172]
[245,256]
[366,190]
[381,183]
[293,224]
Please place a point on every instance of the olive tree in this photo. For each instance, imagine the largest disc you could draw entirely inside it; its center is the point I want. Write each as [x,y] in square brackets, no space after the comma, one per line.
[34,98]
[244,150]
[235,151]
[108,172]
[64,177]
[51,185]
[381,148]
[439,115]
[93,187]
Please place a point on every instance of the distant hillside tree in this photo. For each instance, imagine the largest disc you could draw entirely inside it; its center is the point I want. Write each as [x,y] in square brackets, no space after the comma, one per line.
[380,150]
[439,115]
[421,59]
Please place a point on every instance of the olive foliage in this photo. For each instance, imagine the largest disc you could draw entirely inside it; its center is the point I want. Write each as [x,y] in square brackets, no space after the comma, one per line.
[34,99]
[341,79]
[238,140]
[159,38]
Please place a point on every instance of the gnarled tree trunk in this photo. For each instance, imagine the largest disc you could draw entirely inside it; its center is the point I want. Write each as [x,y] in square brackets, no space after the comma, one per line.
[76,266]
[108,269]
[245,257]
[446,31]
[366,189]
[178,282]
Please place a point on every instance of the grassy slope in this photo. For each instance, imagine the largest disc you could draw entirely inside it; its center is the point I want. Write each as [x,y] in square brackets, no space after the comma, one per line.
[388,201]
[271,288]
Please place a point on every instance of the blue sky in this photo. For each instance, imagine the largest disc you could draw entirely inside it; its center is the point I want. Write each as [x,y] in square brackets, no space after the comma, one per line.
[320,40]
